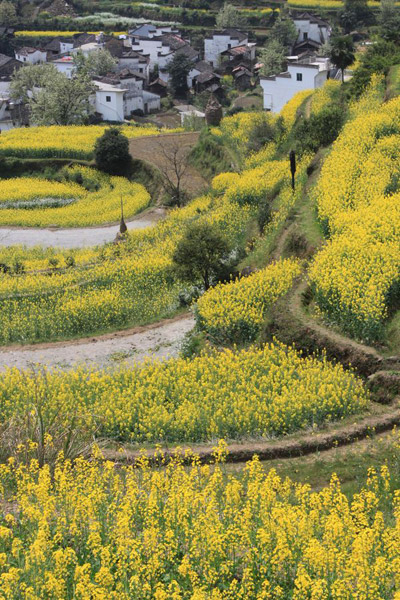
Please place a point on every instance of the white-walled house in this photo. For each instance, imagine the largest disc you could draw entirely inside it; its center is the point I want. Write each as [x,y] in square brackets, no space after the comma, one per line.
[135,61]
[109,101]
[219,41]
[304,75]
[311,27]
[161,49]
[32,56]
[148,30]
[65,65]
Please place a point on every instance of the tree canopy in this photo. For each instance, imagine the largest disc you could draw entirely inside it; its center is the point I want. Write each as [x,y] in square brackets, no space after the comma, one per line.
[179,69]
[230,16]
[200,253]
[96,64]
[342,52]
[112,152]
[272,58]
[53,99]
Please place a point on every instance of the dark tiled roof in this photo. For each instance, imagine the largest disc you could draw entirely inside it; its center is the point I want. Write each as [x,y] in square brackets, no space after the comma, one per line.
[5,59]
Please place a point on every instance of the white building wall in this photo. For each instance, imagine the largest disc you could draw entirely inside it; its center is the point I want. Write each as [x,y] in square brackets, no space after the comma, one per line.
[313,31]
[66,68]
[152,48]
[277,92]
[112,110]
[33,58]
[134,65]
[66,47]
[217,44]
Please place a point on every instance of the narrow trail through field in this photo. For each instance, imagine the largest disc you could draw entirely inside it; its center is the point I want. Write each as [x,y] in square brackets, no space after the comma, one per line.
[76,237]
[131,346]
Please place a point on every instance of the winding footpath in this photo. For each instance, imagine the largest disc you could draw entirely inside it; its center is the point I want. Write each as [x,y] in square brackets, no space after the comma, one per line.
[76,237]
[128,347]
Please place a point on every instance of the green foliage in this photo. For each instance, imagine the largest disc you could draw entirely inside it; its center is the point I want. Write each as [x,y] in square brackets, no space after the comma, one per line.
[356,13]
[179,69]
[273,58]
[377,59]
[8,14]
[342,52]
[96,64]
[230,16]
[53,99]
[319,130]
[112,152]
[389,21]
[283,31]
[210,155]
[200,253]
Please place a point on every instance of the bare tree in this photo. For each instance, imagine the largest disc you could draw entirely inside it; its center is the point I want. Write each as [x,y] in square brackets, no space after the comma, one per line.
[173,168]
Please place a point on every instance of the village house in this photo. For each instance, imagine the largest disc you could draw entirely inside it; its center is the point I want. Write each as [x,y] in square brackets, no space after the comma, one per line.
[160,49]
[305,74]
[135,61]
[242,78]
[32,56]
[239,55]
[65,65]
[311,27]
[220,41]
[8,65]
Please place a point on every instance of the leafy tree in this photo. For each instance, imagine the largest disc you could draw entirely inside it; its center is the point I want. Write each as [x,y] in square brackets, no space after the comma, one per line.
[377,59]
[179,69]
[389,21]
[342,52]
[319,130]
[53,99]
[96,64]
[284,31]
[230,16]
[356,13]
[112,152]
[273,58]
[200,253]
[8,14]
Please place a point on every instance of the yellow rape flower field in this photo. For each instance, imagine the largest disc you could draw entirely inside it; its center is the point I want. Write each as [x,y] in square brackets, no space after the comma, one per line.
[253,393]
[35,202]
[235,311]
[93,531]
[356,275]
[70,141]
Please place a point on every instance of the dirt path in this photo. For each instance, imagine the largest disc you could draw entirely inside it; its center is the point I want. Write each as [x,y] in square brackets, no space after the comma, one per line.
[150,149]
[300,445]
[131,346]
[76,237]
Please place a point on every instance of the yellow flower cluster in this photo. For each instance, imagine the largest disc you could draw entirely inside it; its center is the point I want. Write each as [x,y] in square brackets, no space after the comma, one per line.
[32,202]
[330,3]
[252,185]
[97,532]
[234,312]
[238,128]
[356,275]
[125,285]
[72,141]
[290,111]
[324,97]
[252,393]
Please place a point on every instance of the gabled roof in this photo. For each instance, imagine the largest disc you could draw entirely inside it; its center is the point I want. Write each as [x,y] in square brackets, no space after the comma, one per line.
[234,34]
[133,54]
[306,45]
[53,46]
[158,81]
[172,40]
[306,16]
[144,30]
[4,59]
[237,50]
[26,50]
[207,76]
[203,66]
[188,51]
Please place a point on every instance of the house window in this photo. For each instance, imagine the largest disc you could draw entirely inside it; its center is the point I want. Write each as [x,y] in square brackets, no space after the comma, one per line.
[108,98]
[305,35]
[299,76]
